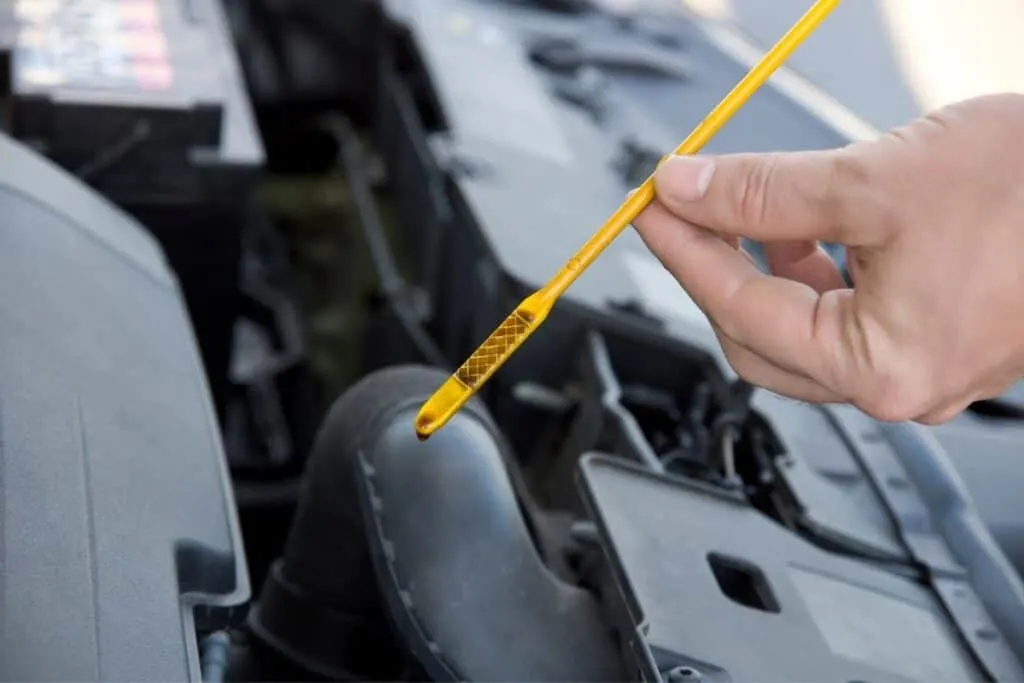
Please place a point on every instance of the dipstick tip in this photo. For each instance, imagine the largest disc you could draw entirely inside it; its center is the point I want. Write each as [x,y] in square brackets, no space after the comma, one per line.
[424,426]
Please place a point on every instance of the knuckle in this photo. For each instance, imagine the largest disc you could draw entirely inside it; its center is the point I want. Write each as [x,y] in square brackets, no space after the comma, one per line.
[940,417]
[847,192]
[888,409]
[752,193]
[747,365]
[894,395]
[741,363]
[940,120]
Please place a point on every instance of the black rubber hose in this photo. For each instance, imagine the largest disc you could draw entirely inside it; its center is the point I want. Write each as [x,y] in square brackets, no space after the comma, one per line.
[429,538]
[320,607]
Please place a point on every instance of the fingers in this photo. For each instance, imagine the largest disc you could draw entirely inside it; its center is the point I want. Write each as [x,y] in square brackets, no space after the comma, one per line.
[770,197]
[760,372]
[781,320]
[804,262]
[941,416]
[665,234]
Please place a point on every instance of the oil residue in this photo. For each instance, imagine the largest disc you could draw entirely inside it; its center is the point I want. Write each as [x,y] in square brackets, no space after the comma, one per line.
[425,425]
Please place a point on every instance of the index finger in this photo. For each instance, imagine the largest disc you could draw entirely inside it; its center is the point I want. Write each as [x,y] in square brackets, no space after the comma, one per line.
[794,196]
[781,320]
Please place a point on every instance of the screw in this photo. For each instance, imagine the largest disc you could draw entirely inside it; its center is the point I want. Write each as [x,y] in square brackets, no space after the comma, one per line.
[683,674]
[870,437]
[898,483]
[983,633]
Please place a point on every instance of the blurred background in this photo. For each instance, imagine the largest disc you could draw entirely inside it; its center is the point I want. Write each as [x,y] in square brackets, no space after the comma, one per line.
[888,60]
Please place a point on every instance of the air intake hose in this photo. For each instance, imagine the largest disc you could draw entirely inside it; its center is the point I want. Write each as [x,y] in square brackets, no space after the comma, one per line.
[429,539]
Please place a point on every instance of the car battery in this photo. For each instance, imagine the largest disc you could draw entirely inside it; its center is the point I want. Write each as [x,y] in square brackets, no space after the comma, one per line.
[144,100]
[92,77]
[511,131]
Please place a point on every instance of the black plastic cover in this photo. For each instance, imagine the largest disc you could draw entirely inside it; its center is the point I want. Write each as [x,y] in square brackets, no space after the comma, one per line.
[119,531]
[837,500]
[310,53]
[710,583]
[833,498]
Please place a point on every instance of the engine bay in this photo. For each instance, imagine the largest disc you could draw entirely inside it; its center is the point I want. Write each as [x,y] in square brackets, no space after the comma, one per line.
[241,253]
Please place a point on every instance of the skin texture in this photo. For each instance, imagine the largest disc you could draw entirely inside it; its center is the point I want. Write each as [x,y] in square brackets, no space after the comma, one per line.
[932,216]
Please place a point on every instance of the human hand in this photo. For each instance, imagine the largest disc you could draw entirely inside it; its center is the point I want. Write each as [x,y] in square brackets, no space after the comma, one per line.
[932,216]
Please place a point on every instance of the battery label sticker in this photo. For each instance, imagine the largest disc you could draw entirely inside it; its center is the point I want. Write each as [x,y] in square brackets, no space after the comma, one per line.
[144,46]
[35,11]
[92,44]
[152,76]
[139,14]
[659,292]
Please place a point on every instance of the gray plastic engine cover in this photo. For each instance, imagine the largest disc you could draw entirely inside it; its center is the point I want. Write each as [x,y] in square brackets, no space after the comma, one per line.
[117,525]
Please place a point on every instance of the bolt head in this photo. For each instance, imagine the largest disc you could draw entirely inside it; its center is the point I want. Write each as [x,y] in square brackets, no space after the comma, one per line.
[683,674]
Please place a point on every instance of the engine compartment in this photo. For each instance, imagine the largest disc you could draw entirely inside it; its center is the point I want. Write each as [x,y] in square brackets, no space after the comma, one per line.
[686,575]
[215,338]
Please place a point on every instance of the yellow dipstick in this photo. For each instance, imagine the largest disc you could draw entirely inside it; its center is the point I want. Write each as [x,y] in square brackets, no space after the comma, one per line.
[529,315]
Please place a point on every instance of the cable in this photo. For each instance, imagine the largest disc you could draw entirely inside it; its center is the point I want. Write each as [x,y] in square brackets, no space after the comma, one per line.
[393,286]
[117,152]
[726,429]
[213,657]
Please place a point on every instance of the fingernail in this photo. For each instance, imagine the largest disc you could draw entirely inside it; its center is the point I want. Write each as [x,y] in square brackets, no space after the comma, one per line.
[686,177]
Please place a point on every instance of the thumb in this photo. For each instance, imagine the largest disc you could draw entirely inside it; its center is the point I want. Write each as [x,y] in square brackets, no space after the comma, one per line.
[768,197]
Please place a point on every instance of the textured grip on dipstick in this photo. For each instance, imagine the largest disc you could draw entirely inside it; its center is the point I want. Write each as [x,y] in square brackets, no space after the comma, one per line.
[495,349]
